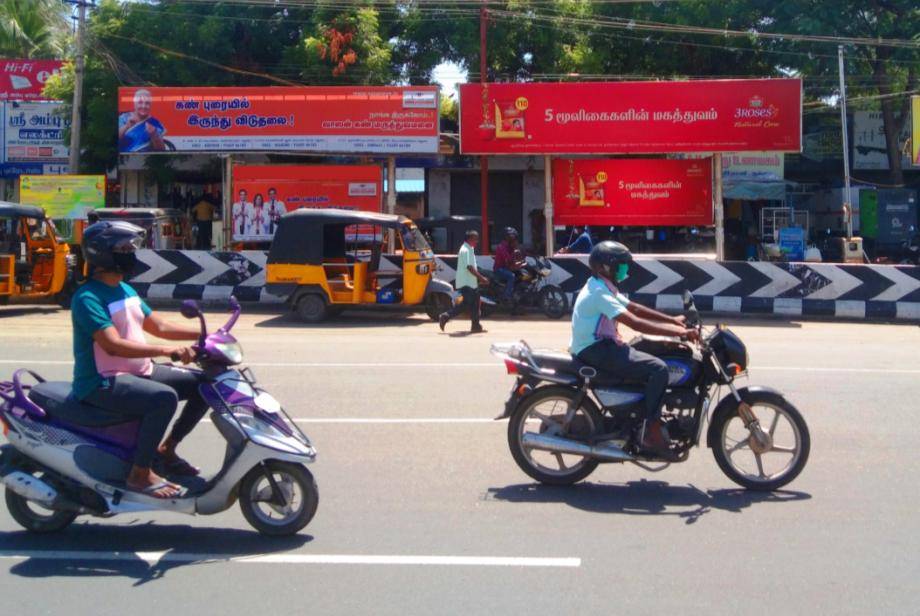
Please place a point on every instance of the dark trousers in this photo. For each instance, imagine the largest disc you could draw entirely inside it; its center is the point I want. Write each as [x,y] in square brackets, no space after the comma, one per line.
[626,363]
[507,277]
[153,400]
[471,302]
[203,241]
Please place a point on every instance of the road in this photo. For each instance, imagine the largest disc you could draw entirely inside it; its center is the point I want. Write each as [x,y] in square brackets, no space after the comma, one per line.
[411,467]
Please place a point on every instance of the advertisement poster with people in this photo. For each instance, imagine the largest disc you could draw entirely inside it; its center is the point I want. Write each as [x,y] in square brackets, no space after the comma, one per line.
[262,194]
[632,192]
[371,119]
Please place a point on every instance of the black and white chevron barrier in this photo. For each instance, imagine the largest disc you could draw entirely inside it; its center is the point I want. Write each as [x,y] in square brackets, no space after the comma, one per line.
[792,289]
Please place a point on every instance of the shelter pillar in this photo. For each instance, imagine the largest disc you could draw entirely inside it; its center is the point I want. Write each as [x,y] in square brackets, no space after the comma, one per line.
[226,181]
[391,198]
[548,205]
[717,206]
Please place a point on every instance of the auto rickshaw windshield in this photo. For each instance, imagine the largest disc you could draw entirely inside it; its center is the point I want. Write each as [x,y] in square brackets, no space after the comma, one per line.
[413,239]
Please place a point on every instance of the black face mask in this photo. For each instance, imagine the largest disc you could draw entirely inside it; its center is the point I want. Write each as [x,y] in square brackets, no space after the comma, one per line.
[124,262]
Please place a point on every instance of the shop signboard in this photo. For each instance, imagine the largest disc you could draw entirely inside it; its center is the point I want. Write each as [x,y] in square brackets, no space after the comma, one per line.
[632,192]
[263,193]
[870,148]
[631,117]
[34,133]
[753,167]
[65,198]
[792,243]
[24,79]
[353,119]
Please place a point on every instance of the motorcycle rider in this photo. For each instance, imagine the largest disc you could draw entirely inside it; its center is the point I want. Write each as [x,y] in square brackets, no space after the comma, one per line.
[506,263]
[598,310]
[112,367]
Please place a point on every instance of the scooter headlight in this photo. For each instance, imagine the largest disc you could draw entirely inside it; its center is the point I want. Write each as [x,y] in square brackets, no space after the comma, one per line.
[268,435]
[232,351]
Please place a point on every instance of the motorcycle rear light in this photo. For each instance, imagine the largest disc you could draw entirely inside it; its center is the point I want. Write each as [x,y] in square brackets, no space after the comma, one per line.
[511,367]
[524,389]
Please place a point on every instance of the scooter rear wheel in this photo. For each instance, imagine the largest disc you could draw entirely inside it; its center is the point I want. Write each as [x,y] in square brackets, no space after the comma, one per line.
[35,518]
[301,497]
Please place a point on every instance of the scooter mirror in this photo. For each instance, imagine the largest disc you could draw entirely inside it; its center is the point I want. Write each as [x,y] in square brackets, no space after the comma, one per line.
[234,303]
[190,309]
[688,299]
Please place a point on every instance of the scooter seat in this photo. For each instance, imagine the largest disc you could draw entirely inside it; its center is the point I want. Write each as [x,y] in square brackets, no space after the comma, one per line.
[54,398]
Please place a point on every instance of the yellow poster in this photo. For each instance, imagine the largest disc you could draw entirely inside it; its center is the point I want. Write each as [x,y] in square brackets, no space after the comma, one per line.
[63,196]
[915,130]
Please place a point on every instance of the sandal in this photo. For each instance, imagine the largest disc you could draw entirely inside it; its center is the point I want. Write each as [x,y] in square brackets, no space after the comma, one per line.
[151,490]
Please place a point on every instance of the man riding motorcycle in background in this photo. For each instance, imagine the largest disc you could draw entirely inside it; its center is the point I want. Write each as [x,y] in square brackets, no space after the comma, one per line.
[112,367]
[596,341]
[507,264]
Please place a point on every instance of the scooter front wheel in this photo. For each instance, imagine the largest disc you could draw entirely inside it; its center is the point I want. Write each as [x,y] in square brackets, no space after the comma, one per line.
[282,505]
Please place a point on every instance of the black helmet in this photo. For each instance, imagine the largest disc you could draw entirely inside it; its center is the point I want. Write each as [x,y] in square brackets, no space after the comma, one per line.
[610,254]
[510,232]
[110,245]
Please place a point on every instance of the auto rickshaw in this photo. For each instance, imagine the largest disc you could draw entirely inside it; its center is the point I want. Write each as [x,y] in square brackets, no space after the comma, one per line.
[34,263]
[324,260]
[166,228]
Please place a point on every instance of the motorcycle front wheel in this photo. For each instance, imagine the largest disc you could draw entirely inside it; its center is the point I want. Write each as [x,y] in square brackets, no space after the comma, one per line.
[767,466]
[552,302]
[544,412]
[265,512]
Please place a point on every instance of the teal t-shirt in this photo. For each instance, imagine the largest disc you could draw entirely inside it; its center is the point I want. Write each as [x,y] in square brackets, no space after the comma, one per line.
[594,314]
[96,306]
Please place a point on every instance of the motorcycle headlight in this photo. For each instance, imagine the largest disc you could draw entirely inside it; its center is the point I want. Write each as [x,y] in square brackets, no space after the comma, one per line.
[232,351]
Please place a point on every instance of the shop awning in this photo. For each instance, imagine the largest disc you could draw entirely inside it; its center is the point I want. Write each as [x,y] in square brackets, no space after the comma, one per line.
[755,191]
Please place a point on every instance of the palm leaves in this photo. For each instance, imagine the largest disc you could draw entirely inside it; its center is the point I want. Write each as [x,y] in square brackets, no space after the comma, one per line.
[32,28]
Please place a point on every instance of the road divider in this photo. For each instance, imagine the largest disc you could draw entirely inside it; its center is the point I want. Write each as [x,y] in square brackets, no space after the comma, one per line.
[827,290]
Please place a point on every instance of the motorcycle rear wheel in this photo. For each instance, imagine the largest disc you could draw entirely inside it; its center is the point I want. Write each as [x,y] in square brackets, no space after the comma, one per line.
[300,492]
[544,410]
[734,445]
[34,517]
[552,302]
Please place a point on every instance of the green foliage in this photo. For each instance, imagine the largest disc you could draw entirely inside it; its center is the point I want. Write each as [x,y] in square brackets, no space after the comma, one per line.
[32,29]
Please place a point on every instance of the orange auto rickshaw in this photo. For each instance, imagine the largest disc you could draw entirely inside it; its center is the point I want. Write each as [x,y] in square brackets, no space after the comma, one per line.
[35,264]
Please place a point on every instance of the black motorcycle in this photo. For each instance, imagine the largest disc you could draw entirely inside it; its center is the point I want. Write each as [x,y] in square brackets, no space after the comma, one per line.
[531,290]
[566,417]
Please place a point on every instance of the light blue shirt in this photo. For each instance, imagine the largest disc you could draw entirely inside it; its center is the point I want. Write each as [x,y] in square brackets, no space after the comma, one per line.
[594,315]
[465,277]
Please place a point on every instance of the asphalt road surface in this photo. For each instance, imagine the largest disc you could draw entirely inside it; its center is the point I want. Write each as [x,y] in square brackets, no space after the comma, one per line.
[423,511]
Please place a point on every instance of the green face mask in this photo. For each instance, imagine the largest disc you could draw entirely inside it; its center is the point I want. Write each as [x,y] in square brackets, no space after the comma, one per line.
[622,271]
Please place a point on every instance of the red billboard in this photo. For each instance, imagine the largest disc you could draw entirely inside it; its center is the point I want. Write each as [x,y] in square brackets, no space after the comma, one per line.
[263,193]
[653,192]
[352,119]
[645,117]
[24,80]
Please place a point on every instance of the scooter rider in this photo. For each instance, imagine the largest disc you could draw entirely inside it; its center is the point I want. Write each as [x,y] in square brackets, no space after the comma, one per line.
[112,367]
[598,310]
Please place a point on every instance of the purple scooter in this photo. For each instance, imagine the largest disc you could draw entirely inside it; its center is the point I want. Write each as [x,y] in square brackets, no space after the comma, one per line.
[65,458]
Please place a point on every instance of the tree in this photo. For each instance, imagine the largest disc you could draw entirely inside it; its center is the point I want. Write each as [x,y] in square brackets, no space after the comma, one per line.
[882,73]
[32,28]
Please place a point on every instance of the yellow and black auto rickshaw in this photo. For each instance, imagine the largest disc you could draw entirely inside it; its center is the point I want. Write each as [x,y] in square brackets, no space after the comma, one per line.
[324,260]
[35,264]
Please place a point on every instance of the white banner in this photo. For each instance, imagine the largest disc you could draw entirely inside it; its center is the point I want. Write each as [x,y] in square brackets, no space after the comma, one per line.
[869,148]
[34,132]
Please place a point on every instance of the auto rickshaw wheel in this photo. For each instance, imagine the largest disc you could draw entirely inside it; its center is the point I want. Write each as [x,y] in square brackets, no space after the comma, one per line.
[311,308]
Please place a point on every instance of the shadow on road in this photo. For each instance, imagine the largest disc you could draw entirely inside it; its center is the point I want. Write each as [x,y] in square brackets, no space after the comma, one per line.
[644,498]
[25,311]
[351,320]
[134,551]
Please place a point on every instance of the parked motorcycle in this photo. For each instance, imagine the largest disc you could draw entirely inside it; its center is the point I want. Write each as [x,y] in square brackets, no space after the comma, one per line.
[65,458]
[566,417]
[531,290]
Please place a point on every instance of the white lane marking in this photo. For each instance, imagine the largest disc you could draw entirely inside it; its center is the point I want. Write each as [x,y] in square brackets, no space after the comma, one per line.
[394,420]
[57,362]
[153,558]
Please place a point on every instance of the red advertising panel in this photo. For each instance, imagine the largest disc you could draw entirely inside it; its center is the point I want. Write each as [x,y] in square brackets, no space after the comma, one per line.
[24,80]
[632,192]
[263,193]
[379,120]
[631,117]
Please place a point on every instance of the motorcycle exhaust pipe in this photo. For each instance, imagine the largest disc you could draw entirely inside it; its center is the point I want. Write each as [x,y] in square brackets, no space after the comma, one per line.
[556,444]
[35,490]
[30,488]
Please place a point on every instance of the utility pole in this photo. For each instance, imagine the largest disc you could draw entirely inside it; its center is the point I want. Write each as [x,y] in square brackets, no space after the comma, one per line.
[847,207]
[484,160]
[77,90]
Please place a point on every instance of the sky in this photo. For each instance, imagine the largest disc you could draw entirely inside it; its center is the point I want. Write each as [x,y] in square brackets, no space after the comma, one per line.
[448,75]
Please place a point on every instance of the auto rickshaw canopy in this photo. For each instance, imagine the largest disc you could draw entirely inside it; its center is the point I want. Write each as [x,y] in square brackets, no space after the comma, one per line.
[307,236]
[16,210]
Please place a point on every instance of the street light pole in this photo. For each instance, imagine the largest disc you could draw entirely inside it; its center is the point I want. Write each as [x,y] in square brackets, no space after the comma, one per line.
[77,91]
[484,160]
[847,207]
